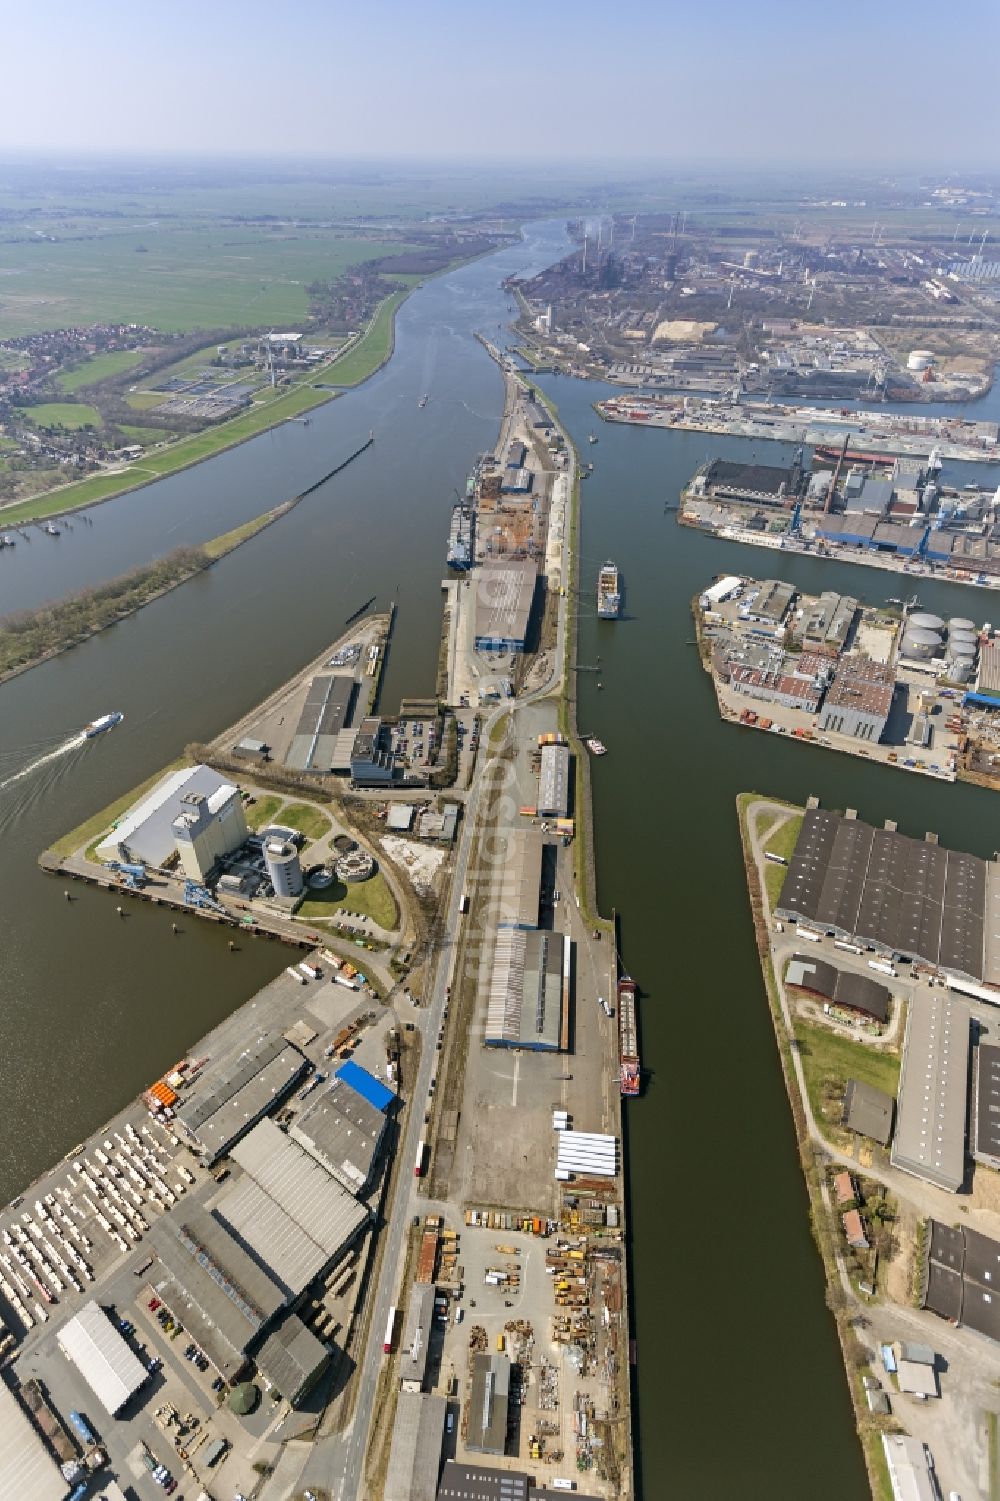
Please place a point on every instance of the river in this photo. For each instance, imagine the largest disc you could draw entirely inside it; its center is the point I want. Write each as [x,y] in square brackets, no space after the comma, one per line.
[740,1386]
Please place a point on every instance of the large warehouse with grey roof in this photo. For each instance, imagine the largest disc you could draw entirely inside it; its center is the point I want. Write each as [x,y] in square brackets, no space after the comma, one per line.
[904,896]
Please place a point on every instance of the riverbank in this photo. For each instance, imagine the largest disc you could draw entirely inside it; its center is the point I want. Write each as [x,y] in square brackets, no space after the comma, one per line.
[869,1427]
[37,636]
[361,360]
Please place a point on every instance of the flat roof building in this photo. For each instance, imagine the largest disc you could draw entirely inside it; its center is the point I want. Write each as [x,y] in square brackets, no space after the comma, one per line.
[504,594]
[291,1360]
[903,896]
[553,782]
[868,1111]
[234,1094]
[519,856]
[910,1472]
[986,1104]
[102,1357]
[325,713]
[527,993]
[465,1482]
[344,1132]
[415,1344]
[29,1472]
[366,1085]
[415,1455]
[224,1298]
[488,1404]
[373,762]
[933,1090]
[840,987]
[859,700]
[291,1214]
[828,622]
[208,827]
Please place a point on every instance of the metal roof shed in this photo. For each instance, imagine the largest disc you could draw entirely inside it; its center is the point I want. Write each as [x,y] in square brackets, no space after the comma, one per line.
[415,1456]
[365,1084]
[102,1357]
[28,1471]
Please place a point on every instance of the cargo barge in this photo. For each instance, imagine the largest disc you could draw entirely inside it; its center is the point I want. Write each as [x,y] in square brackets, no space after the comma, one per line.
[628,1038]
[609,599]
[461,537]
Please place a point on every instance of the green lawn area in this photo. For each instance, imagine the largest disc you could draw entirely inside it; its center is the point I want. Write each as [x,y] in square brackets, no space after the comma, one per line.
[69,414]
[175,278]
[98,367]
[372,350]
[263,811]
[308,820]
[783,843]
[367,899]
[829,1060]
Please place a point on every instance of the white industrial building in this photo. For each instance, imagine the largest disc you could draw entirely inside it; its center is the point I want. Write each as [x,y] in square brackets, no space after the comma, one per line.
[102,1357]
[284,868]
[208,828]
[553,782]
[27,1469]
[146,834]
[586,1154]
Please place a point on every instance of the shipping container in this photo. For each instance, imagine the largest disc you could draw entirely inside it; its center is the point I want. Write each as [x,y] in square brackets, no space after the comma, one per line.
[390,1329]
[418,1168]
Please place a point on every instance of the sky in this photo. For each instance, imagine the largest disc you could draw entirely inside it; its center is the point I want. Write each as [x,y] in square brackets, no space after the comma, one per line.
[860,82]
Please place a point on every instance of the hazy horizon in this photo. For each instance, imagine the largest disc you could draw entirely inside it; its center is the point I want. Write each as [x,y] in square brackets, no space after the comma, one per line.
[773,84]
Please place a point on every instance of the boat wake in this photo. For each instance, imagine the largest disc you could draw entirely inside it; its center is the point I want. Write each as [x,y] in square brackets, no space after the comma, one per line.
[53,755]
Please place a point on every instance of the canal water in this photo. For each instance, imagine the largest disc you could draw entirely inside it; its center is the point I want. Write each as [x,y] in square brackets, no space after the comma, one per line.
[740,1387]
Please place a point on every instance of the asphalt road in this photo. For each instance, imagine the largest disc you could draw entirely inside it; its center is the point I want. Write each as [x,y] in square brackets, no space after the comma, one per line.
[337,1464]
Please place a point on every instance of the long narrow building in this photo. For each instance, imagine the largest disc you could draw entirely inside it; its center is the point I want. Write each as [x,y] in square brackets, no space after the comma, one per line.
[934,1090]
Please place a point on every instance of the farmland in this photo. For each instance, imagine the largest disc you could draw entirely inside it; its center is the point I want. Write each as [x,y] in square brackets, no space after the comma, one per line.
[174,279]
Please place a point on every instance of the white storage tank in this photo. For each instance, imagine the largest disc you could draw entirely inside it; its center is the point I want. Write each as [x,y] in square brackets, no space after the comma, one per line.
[920,644]
[283,867]
[926,622]
[920,359]
[959,623]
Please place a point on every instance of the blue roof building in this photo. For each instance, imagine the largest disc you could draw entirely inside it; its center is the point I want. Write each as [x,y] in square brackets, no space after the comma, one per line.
[365,1084]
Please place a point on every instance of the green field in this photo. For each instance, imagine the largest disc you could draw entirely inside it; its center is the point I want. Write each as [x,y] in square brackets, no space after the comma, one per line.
[174,279]
[371,352]
[98,367]
[781,843]
[367,899]
[829,1060]
[69,414]
[307,819]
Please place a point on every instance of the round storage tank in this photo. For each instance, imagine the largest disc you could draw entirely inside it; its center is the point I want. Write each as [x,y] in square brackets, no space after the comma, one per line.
[922,649]
[962,653]
[962,646]
[920,359]
[283,868]
[959,623]
[925,622]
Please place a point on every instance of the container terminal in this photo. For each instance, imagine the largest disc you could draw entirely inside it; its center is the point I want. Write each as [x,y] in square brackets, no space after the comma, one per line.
[254,1231]
[892,684]
[893,514]
[882,949]
[888,434]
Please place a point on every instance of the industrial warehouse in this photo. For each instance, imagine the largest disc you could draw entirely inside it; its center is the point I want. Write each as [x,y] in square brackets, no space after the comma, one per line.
[933,1090]
[903,896]
[838,987]
[505,595]
[961,1276]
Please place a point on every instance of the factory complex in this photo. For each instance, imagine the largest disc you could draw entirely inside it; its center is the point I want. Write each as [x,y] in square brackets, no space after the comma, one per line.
[857,506]
[897,685]
[206,1236]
